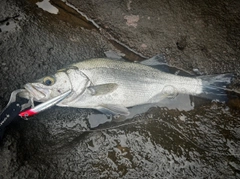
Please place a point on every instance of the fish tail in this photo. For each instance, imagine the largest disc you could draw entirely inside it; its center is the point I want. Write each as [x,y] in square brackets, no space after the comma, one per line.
[215,86]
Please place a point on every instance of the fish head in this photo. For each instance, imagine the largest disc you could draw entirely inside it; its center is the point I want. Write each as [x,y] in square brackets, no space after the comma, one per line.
[48,87]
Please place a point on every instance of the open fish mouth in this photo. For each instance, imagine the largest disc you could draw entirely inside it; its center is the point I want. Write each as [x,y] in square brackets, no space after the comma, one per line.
[35,92]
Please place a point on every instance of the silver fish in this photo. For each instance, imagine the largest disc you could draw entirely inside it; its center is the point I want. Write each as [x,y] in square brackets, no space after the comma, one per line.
[112,86]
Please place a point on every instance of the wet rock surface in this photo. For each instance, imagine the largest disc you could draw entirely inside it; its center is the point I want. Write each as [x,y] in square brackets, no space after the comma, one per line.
[161,143]
[210,30]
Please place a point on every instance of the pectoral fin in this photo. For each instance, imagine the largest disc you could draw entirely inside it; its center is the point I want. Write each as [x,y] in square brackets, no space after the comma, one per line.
[102,89]
[113,109]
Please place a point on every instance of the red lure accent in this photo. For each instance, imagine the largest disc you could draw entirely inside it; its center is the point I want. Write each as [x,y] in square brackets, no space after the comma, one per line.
[27,113]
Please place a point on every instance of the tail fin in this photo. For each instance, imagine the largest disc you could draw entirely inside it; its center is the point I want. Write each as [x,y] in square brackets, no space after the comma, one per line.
[215,86]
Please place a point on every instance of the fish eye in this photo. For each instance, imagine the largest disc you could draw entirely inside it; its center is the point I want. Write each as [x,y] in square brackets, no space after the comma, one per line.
[48,81]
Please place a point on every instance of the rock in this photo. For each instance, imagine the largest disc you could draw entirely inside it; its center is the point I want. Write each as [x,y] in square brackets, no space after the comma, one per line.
[161,143]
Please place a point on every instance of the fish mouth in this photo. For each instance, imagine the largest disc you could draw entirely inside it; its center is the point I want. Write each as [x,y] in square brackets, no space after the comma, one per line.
[36,92]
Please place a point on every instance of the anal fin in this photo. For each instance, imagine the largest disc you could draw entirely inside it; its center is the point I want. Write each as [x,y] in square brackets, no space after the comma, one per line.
[113,109]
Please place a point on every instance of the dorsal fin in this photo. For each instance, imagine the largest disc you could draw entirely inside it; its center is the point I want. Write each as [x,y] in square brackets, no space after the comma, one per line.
[155,60]
[159,62]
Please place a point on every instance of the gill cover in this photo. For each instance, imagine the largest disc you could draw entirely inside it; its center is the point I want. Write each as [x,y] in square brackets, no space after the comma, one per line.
[79,82]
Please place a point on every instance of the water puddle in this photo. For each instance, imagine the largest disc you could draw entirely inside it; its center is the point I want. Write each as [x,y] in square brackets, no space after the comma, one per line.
[181,102]
[47,6]
[10,24]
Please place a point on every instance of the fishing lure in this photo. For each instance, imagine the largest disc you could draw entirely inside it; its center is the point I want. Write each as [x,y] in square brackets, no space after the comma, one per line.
[43,106]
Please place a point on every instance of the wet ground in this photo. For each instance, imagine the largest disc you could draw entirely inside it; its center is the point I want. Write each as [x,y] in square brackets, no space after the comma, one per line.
[37,38]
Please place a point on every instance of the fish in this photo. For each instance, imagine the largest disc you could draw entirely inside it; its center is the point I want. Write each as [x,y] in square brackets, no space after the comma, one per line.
[112,86]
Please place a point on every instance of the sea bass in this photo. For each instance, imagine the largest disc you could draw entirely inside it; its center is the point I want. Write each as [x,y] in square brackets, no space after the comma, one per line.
[112,86]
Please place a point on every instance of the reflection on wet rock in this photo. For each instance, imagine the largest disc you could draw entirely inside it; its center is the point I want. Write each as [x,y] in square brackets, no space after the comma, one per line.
[161,143]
